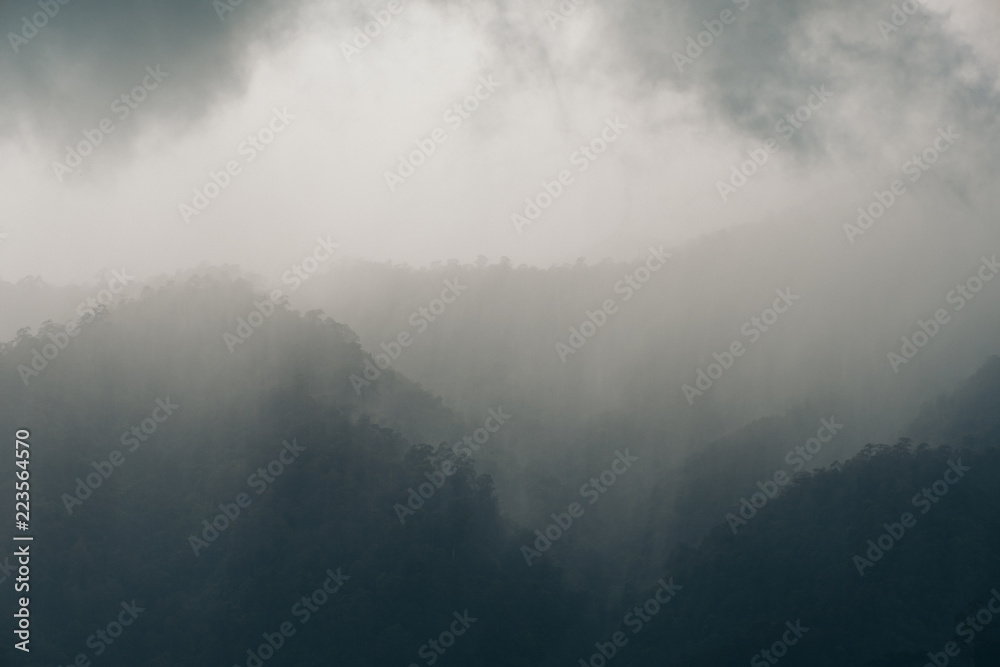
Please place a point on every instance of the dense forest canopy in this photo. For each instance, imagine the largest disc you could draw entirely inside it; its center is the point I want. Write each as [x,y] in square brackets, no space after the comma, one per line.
[255,498]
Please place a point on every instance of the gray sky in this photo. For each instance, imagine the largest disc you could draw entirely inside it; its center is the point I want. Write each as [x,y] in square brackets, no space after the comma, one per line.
[343,120]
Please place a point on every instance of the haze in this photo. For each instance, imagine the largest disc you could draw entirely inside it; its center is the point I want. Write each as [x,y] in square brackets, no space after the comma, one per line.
[325,173]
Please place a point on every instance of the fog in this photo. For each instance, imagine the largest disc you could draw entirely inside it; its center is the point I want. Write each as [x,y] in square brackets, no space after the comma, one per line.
[698,152]
[697,231]
[325,173]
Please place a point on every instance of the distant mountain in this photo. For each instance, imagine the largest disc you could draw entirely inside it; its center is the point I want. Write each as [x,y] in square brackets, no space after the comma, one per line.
[970,415]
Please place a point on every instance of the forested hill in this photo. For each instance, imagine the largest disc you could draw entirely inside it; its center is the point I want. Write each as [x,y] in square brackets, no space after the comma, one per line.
[141,432]
[206,497]
[176,339]
[805,555]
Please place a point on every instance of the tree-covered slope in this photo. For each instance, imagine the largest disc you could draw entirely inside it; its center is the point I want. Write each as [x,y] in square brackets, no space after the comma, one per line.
[213,490]
[198,500]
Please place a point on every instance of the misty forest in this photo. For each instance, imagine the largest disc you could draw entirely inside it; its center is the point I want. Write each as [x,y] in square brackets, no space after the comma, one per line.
[491,333]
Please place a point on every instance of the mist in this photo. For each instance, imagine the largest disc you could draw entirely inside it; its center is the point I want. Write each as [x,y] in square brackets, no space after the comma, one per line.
[663,258]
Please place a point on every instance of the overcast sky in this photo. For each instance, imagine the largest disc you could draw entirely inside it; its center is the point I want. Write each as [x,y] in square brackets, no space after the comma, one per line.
[200,78]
